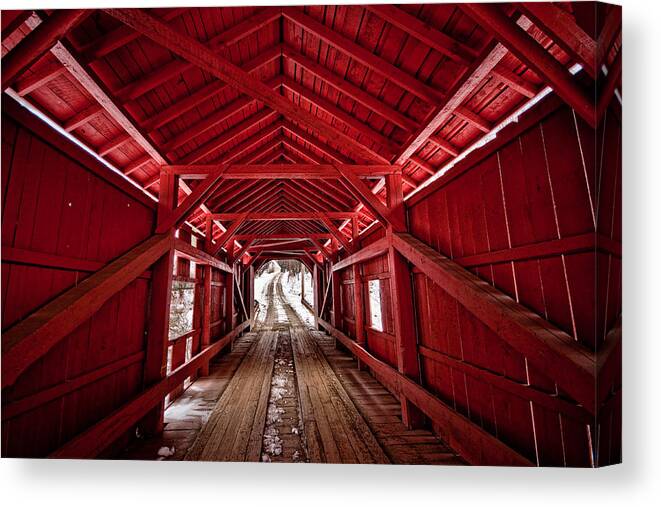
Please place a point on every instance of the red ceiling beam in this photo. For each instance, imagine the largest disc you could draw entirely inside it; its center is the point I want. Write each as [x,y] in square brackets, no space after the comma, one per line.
[350,90]
[239,150]
[334,190]
[199,194]
[368,199]
[265,154]
[524,47]
[280,171]
[515,82]
[198,54]
[322,249]
[335,215]
[302,194]
[98,91]
[206,123]
[220,44]
[248,237]
[446,45]
[227,194]
[434,38]
[362,55]
[226,236]
[316,143]
[444,145]
[228,136]
[561,26]
[207,92]
[38,42]
[82,117]
[243,251]
[65,54]
[607,92]
[609,32]
[43,74]
[12,21]
[301,153]
[474,75]
[246,197]
[332,228]
[342,116]
[474,119]
[110,146]
[119,38]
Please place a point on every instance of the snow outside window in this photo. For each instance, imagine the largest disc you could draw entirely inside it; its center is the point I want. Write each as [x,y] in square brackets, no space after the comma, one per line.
[376,318]
[181,308]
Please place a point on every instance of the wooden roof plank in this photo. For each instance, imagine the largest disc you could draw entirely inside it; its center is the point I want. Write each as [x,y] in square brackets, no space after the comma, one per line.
[564,30]
[349,89]
[493,19]
[197,53]
[359,53]
[436,39]
[38,42]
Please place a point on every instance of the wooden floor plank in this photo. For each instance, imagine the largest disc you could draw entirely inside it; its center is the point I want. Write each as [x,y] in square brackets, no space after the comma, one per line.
[329,412]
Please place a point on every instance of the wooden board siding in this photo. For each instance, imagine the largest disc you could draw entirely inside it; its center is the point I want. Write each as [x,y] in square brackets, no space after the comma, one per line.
[62,221]
[541,187]
[521,215]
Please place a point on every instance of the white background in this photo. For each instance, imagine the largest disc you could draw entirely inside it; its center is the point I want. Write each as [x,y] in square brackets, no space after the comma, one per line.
[636,482]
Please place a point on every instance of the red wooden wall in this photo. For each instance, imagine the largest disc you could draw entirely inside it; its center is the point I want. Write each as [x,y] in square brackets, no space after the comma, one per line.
[63,217]
[537,214]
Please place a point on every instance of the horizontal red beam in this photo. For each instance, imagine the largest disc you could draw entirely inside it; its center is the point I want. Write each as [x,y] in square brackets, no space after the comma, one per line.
[375,249]
[549,349]
[284,171]
[188,251]
[99,437]
[286,235]
[312,215]
[32,337]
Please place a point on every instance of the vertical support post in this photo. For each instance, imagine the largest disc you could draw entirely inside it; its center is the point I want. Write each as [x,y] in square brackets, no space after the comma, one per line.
[159,307]
[403,310]
[251,289]
[315,294]
[302,282]
[358,295]
[205,340]
[336,314]
[229,290]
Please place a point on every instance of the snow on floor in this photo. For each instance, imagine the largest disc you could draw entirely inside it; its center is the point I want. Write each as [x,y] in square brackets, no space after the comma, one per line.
[291,286]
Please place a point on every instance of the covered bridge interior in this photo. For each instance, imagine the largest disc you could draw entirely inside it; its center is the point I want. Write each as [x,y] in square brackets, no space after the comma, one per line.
[456,165]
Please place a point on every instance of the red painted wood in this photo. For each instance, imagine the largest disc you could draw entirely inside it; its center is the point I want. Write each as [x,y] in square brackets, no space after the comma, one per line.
[38,42]
[564,30]
[371,61]
[536,340]
[402,305]
[525,48]
[475,444]
[68,216]
[99,437]
[520,213]
[159,305]
[200,55]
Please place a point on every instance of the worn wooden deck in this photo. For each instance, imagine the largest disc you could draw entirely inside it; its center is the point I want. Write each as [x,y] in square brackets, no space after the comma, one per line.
[286,394]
